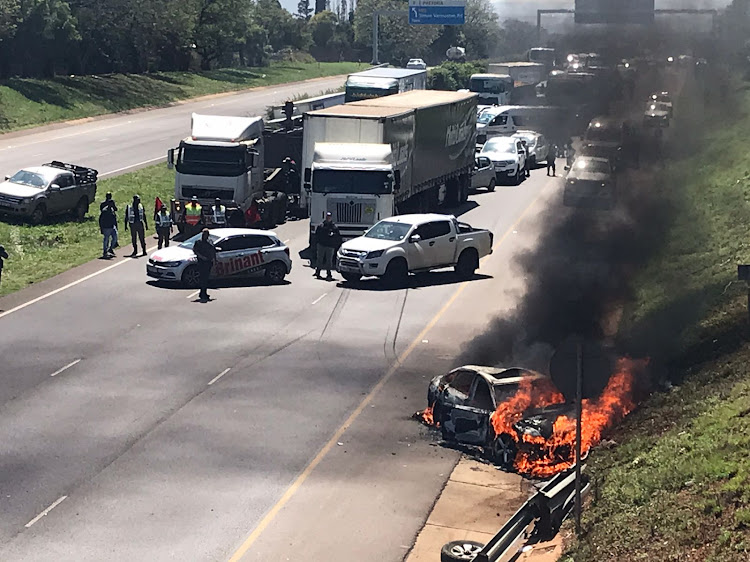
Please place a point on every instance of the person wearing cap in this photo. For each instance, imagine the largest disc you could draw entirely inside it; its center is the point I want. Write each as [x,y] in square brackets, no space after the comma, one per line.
[135,219]
[205,251]
[193,211]
[219,213]
[328,239]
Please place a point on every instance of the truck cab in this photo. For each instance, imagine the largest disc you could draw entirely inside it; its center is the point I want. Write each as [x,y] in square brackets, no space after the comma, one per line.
[491,89]
[356,188]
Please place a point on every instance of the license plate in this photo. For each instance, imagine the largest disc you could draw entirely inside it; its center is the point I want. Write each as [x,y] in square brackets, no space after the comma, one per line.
[348,268]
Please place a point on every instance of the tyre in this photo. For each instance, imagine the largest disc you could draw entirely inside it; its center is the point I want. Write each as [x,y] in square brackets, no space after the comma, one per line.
[467,264]
[532,162]
[492,185]
[81,208]
[460,551]
[396,273]
[518,177]
[503,451]
[351,277]
[191,277]
[275,272]
[39,215]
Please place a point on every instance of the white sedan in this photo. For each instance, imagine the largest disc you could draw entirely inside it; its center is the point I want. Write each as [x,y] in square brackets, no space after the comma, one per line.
[240,252]
[416,64]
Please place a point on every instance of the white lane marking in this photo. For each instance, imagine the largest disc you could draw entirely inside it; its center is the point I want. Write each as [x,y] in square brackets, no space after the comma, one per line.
[191,295]
[57,502]
[68,286]
[217,377]
[129,166]
[68,366]
[320,298]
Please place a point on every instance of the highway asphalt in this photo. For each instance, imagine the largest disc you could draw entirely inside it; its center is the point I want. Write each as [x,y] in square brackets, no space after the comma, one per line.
[123,142]
[273,423]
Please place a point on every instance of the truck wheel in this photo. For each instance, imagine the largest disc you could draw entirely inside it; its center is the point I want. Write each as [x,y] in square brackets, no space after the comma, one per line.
[467,264]
[452,194]
[460,551]
[351,277]
[275,272]
[503,451]
[191,277]
[39,215]
[81,208]
[396,273]
[492,185]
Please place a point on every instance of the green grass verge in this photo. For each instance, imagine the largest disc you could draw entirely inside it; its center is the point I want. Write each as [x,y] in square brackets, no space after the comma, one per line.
[26,102]
[40,252]
[677,486]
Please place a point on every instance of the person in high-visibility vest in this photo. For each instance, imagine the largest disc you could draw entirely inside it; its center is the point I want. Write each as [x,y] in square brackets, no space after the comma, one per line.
[193,212]
[219,213]
[135,219]
[163,226]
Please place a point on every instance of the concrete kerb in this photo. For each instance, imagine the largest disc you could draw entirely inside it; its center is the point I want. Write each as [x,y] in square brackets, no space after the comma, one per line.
[136,110]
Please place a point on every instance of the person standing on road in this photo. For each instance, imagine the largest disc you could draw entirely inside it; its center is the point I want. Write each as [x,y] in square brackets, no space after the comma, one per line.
[163,226]
[328,239]
[193,212]
[551,159]
[108,227]
[109,205]
[3,256]
[206,253]
[135,219]
[219,213]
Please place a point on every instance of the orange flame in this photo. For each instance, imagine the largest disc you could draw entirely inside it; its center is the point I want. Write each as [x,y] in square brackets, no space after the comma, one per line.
[426,417]
[540,457]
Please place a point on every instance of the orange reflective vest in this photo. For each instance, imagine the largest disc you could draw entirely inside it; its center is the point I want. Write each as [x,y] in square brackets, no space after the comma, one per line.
[193,213]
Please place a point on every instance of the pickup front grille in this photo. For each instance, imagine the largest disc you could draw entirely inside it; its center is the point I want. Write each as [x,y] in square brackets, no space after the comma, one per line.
[8,200]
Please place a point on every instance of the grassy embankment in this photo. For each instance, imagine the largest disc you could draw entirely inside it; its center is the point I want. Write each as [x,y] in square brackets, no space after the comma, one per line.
[40,252]
[677,486]
[26,102]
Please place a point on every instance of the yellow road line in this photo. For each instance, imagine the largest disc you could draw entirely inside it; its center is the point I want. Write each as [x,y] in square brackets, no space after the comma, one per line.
[297,484]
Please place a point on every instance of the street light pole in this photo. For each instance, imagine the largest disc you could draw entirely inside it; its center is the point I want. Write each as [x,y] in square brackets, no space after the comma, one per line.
[376,24]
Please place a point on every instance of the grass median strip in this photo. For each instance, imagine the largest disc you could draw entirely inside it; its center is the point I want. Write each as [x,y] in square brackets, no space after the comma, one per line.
[677,486]
[28,102]
[40,252]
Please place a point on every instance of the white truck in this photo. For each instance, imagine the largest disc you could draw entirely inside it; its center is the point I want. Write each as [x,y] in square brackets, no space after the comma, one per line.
[405,244]
[369,160]
[379,82]
[224,158]
[491,89]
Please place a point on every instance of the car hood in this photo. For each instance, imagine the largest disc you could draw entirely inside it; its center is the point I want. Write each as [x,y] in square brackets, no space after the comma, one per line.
[18,190]
[588,176]
[173,253]
[364,244]
[496,156]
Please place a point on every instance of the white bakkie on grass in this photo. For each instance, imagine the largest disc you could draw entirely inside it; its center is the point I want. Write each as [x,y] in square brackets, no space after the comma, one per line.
[405,244]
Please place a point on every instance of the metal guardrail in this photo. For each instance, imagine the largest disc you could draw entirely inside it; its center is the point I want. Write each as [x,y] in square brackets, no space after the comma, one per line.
[541,515]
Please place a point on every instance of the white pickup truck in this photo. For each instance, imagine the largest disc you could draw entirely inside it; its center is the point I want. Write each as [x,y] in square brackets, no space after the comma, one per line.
[405,244]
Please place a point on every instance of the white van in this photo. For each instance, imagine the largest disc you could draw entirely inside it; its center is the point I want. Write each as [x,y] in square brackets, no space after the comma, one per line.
[495,121]
[507,119]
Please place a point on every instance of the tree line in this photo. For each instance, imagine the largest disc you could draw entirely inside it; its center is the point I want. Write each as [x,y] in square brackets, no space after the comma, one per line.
[42,38]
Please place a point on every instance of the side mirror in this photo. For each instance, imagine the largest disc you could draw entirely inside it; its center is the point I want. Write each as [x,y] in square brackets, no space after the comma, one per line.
[566,168]
[414,238]
[7,178]
[54,187]
[308,175]
[397,180]
[251,154]
[170,158]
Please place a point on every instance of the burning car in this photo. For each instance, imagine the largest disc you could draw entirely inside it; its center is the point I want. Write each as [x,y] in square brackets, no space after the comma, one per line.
[520,419]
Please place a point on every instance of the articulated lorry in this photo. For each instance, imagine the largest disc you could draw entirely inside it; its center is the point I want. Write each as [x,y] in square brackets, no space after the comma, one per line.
[379,82]
[226,158]
[369,160]
[525,76]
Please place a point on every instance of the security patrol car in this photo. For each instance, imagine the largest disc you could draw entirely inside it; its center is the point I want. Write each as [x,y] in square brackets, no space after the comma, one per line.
[240,252]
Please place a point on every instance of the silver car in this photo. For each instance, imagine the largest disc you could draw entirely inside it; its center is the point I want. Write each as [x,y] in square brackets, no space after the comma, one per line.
[536,145]
[240,252]
[484,174]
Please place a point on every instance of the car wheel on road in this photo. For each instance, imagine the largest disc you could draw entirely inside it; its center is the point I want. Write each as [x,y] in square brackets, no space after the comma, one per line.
[460,551]
[396,273]
[467,263]
[518,177]
[491,187]
[39,215]
[81,208]
[275,272]
[351,277]
[191,277]
[503,450]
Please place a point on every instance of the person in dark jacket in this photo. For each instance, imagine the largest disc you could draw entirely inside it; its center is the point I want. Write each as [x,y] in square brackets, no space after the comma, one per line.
[327,239]
[3,256]
[107,226]
[206,253]
[110,205]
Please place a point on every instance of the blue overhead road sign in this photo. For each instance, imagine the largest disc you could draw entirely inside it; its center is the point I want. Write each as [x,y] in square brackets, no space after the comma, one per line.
[436,12]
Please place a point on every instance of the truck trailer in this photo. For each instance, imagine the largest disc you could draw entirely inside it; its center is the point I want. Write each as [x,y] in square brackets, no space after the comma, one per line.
[369,160]
[379,82]
[224,158]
